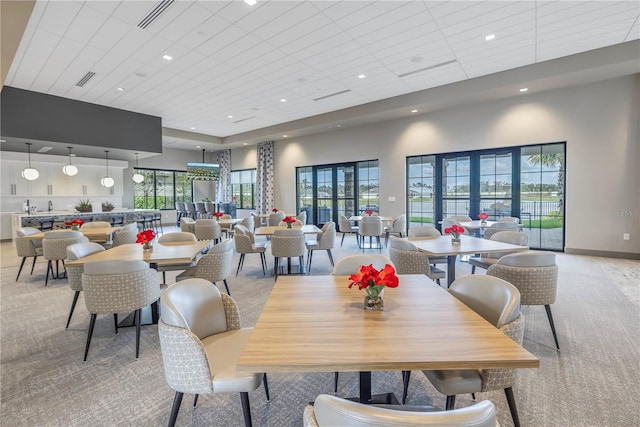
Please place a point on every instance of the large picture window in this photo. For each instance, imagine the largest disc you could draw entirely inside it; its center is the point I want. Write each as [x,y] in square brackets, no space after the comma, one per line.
[161,189]
[243,188]
[526,182]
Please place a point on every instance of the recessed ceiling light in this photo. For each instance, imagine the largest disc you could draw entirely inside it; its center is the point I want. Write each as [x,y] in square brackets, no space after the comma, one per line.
[3,140]
[339,126]
[197,146]
[250,2]
[361,76]
[283,100]
[284,136]
[167,57]
[231,117]
[192,128]
[72,155]
[119,90]
[490,37]
[414,111]
[524,89]
[245,143]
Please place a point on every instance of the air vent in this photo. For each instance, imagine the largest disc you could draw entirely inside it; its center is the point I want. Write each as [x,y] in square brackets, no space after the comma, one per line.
[83,81]
[332,94]
[245,119]
[453,61]
[154,14]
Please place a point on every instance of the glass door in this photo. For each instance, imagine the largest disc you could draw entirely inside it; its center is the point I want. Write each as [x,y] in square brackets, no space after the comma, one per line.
[346,193]
[324,194]
[496,184]
[420,191]
[456,185]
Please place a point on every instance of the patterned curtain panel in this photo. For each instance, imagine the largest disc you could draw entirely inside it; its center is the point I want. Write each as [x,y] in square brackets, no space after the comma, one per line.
[223,186]
[264,178]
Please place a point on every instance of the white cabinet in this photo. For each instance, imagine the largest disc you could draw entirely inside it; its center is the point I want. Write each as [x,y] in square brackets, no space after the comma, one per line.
[13,184]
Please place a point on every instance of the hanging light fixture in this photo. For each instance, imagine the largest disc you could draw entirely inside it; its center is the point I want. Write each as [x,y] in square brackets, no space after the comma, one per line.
[137,177]
[69,170]
[29,173]
[107,181]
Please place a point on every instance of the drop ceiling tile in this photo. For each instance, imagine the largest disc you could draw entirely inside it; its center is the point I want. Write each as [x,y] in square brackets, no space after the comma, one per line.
[163,24]
[109,34]
[319,36]
[106,7]
[341,9]
[57,19]
[183,24]
[58,62]
[234,11]
[329,44]
[220,40]
[303,11]
[490,20]
[131,42]
[387,22]
[267,12]
[300,30]
[42,44]
[85,24]
[155,48]
[237,47]
[367,13]
[202,33]
[132,12]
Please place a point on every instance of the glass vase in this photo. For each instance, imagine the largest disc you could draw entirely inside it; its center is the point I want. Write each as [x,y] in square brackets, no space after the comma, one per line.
[455,240]
[147,246]
[373,303]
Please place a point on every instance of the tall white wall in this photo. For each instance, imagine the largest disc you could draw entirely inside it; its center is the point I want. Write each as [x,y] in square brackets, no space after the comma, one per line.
[598,121]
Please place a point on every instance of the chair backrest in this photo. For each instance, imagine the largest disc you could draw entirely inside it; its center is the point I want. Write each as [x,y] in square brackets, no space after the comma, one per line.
[190,207]
[327,238]
[179,207]
[119,286]
[460,218]
[275,218]
[288,242]
[27,247]
[534,273]
[55,243]
[248,222]
[513,237]
[62,234]
[345,224]
[243,239]
[298,223]
[200,207]
[407,258]
[496,300]
[351,263]
[215,265]
[371,226]
[96,224]
[500,226]
[177,236]
[330,411]
[302,217]
[195,305]
[116,220]
[77,251]
[424,231]
[509,219]
[207,229]
[26,231]
[399,224]
[187,224]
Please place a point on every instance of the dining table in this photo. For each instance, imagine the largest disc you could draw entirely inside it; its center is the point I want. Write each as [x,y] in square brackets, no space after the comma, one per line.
[268,230]
[441,246]
[97,233]
[319,324]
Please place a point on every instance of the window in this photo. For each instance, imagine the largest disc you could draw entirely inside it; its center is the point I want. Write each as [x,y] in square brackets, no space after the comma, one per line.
[161,189]
[526,182]
[243,188]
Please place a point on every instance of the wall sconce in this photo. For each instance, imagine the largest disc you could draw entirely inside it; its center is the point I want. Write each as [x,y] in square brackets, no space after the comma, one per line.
[107,181]
[137,177]
[69,170]
[29,173]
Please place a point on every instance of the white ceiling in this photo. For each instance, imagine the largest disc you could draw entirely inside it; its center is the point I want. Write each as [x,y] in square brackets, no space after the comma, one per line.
[232,59]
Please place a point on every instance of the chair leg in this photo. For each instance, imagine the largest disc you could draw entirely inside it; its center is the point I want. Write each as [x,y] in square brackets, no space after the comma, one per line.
[49,268]
[553,328]
[451,403]
[164,277]
[33,264]
[92,324]
[406,375]
[246,410]
[264,263]
[473,269]
[177,400]
[275,267]
[330,257]
[239,264]
[342,241]
[301,263]
[379,244]
[309,257]
[24,258]
[115,322]
[195,400]
[335,382]
[138,322]
[226,286]
[512,406]
[266,387]
[73,306]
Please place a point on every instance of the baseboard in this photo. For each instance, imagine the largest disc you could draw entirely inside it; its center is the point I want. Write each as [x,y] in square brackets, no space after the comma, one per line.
[606,254]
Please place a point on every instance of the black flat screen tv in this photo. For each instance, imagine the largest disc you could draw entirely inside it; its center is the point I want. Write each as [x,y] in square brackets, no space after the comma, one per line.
[203,171]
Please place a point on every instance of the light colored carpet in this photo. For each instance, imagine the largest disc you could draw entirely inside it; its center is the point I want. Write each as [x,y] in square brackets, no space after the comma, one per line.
[44,382]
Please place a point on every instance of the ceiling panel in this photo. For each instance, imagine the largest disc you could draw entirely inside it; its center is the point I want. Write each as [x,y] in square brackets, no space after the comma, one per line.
[233,59]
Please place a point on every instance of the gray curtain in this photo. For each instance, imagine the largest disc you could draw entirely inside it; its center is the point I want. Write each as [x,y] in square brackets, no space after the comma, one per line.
[264,178]
[223,186]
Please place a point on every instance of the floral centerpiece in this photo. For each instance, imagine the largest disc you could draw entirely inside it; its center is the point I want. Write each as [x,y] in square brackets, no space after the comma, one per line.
[146,238]
[217,215]
[483,217]
[274,210]
[373,282]
[368,212]
[455,230]
[289,220]
[75,224]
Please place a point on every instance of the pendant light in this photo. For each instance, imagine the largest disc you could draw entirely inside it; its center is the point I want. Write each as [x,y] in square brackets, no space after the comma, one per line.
[69,170]
[107,181]
[137,177]
[29,173]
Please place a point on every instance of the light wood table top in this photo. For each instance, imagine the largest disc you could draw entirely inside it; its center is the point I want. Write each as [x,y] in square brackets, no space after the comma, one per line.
[269,230]
[318,324]
[170,252]
[358,218]
[88,232]
[443,246]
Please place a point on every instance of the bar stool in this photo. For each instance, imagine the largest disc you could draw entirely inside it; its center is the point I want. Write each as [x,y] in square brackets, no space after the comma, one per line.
[46,223]
[146,221]
[179,212]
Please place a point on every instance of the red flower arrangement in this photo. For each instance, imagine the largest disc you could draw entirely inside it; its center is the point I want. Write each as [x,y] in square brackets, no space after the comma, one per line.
[483,216]
[75,224]
[455,230]
[289,220]
[368,212]
[218,214]
[146,236]
[274,210]
[374,281]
